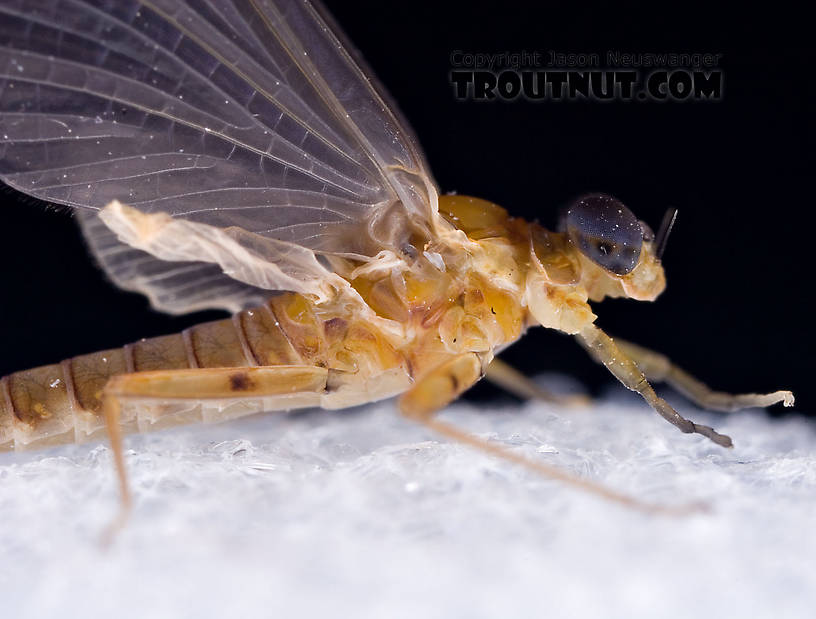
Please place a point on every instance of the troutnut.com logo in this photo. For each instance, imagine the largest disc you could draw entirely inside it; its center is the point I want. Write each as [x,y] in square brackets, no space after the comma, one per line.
[558,76]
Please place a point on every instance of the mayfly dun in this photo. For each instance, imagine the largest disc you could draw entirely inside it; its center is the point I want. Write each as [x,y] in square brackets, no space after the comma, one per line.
[234,154]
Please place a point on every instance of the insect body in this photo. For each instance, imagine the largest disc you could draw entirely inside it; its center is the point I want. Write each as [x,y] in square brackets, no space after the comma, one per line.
[216,161]
[470,291]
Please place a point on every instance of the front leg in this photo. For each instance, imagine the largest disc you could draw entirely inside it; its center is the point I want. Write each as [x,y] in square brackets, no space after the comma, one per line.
[604,350]
[658,367]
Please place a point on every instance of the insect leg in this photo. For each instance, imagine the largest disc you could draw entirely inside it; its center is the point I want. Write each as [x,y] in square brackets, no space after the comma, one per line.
[442,385]
[448,381]
[657,367]
[280,387]
[605,351]
[513,381]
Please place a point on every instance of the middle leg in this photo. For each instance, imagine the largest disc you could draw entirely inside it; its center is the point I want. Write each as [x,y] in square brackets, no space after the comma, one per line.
[451,379]
[513,381]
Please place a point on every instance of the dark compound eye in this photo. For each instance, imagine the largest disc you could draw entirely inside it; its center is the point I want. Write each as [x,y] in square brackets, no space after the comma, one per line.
[646,230]
[605,231]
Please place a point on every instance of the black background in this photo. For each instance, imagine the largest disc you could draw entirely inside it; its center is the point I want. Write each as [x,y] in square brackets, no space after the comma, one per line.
[737,310]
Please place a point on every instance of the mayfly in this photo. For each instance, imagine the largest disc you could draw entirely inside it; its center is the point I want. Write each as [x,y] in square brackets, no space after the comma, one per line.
[237,154]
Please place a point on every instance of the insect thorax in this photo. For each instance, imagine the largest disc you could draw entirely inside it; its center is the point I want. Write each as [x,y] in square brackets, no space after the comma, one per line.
[475,286]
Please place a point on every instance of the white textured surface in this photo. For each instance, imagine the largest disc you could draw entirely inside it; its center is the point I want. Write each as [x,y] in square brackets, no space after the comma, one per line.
[363,514]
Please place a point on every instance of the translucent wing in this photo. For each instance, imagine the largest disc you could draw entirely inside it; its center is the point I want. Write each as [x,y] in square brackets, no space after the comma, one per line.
[172,287]
[235,113]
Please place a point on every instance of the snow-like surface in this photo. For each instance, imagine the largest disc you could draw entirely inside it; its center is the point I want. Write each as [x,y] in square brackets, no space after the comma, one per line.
[362,514]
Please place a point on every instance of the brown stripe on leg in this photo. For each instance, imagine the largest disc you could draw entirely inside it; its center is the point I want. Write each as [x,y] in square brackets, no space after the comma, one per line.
[271,387]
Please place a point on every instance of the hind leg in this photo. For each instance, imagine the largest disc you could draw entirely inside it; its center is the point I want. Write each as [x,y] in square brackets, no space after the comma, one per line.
[272,387]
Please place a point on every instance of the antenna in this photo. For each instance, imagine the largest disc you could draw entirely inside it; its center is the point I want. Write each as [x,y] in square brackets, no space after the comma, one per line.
[665,229]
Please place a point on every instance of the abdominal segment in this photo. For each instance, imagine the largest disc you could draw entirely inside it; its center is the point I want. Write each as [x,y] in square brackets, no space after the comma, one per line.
[351,363]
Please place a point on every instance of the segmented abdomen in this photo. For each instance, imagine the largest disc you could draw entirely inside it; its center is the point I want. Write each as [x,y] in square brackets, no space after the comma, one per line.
[61,403]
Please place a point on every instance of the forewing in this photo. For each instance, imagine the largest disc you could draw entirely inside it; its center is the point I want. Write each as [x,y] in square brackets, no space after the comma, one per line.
[246,113]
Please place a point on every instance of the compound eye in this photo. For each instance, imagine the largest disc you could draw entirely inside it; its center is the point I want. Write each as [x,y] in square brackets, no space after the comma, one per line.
[605,231]
[646,230]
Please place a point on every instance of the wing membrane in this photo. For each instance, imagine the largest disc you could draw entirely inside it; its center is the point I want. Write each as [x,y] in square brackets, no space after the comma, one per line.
[172,287]
[246,113]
